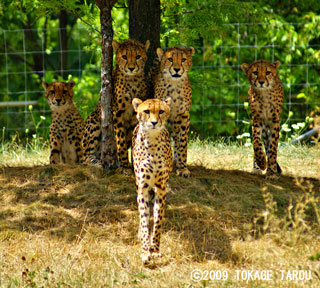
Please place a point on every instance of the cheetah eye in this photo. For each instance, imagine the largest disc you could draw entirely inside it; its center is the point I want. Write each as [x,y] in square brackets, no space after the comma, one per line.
[65,91]
[147,111]
[268,73]
[51,92]
[183,60]
[170,59]
[138,57]
[255,73]
[161,111]
[124,57]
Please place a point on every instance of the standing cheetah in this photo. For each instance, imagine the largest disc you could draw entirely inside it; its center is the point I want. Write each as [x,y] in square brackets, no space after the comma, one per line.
[170,79]
[67,125]
[152,162]
[265,100]
[128,83]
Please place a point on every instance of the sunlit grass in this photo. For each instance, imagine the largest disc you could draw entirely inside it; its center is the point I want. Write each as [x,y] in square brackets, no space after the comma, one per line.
[76,226]
[295,160]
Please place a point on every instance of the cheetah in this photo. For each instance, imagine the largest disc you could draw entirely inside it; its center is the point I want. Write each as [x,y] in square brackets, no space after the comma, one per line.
[128,83]
[67,125]
[170,79]
[152,162]
[265,100]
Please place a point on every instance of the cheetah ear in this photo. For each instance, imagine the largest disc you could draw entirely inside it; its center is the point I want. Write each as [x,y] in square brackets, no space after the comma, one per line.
[44,84]
[147,45]
[160,53]
[115,45]
[276,64]
[245,67]
[71,84]
[190,50]
[168,101]
[136,102]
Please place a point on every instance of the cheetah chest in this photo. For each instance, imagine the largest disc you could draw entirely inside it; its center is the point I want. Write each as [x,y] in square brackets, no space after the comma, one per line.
[264,107]
[151,154]
[132,90]
[67,131]
[180,104]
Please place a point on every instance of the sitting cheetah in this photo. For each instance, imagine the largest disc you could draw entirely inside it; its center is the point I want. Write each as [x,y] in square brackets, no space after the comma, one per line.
[67,125]
[265,100]
[129,82]
[170,79]
[152,162]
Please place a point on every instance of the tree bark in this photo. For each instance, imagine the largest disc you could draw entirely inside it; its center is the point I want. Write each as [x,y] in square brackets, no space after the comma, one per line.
[33,41]
[109,149]
[144,24]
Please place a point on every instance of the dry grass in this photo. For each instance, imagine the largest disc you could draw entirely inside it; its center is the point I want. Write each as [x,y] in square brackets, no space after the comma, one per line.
[73,226]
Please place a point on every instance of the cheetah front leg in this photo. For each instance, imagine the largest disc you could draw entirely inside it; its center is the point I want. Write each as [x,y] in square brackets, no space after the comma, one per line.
[143,234]
[273,166]
[55,148]
[259,161]
[180,138]
[133,124]
[158,215]
[79,150]
[91,143]
[121,140]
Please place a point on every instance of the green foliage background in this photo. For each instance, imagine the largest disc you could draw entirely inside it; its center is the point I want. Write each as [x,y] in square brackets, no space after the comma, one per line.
[271,30]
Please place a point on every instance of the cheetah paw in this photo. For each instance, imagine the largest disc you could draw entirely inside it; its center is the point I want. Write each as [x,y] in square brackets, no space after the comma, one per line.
[155,252]
[156,255]
[272,176]
[145,257]
[125,171]
[97,165]
[256,171]
[183,172]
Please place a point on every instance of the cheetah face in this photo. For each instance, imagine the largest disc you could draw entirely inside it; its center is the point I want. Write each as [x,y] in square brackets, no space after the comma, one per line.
[261,74]
[176,61]
[152,113]
[131,56]
[58,93]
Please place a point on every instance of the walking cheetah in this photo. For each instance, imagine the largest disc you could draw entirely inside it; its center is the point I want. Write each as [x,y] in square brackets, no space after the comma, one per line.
[171,79]
[265,100]
[152,162]
[128,83]
[67,125]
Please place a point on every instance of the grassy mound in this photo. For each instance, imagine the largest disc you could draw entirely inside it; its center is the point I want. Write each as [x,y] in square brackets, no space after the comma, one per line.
[76,226]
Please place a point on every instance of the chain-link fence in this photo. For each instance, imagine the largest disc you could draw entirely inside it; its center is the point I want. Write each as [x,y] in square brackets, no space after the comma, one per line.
[219,86]
[28,56]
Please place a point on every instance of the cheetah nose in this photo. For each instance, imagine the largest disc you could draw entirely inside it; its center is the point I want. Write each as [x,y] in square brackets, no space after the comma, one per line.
[131,68]
[176,69]
[58,101]
[154,123]
[261,82]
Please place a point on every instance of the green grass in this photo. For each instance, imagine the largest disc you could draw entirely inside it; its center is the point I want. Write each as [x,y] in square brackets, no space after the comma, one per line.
[76,226]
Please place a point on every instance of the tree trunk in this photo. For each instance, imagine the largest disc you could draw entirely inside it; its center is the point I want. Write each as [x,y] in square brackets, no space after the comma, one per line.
[33,41]
[144,24]
[109,148]
[63,21]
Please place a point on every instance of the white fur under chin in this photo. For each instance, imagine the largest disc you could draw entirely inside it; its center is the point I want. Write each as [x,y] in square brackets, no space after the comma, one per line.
[148,134]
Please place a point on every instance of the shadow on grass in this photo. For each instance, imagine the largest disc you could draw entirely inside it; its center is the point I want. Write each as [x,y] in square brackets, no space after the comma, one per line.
[207,210]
